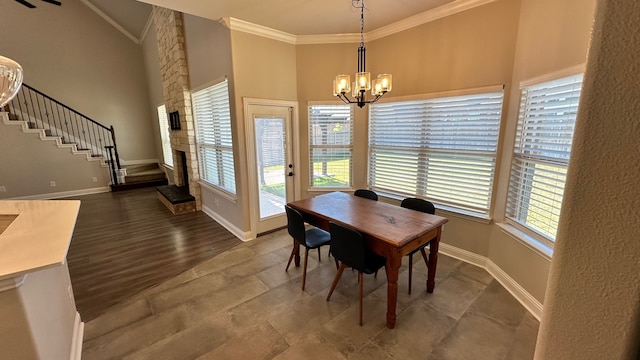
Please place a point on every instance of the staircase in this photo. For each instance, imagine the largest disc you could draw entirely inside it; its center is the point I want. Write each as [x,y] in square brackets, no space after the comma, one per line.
[37,112]
[139,176]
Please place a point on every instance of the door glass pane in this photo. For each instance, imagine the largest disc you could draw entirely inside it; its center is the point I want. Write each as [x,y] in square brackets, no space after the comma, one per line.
[271,162]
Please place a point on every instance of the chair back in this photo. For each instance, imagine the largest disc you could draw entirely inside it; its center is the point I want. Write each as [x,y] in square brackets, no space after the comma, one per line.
[365,193]
[347,246]
[295,224]
[419,205]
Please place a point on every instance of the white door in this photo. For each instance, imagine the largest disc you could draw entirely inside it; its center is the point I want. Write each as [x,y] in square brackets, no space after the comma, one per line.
[270,145]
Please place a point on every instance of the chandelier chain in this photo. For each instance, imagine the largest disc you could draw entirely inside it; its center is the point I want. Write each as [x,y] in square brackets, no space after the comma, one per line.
[359,4]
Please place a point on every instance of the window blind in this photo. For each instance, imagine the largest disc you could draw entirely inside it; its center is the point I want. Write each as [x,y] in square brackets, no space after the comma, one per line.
[541,154]
[213,136]
[442,149]
[331,145]
[163,120]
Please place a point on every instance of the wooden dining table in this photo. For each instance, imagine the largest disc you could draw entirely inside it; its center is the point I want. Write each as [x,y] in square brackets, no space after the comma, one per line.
[389,230]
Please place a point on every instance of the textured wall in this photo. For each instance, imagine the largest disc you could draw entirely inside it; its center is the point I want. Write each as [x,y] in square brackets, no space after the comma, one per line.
[593,300]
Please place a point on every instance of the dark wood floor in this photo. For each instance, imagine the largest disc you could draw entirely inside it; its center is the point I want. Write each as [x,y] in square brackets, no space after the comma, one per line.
[125,242]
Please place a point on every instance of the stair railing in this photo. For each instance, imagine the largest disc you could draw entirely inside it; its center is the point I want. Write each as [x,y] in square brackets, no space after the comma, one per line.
[40,111]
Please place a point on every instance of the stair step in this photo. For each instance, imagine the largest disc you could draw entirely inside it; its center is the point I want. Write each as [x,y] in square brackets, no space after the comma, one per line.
[138,185]
[150,175]
[139,168]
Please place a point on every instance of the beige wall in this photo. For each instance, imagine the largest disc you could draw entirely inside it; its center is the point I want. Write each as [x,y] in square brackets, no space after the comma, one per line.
[75,56]
[265,69]
[471,49]
[29,164]
[552,35]
[592,309]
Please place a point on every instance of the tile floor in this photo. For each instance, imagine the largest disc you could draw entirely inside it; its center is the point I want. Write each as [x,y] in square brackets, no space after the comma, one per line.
[243,305]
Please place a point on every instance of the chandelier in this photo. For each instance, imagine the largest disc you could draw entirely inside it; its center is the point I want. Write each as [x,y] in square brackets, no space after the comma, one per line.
[10,79]
[342,85]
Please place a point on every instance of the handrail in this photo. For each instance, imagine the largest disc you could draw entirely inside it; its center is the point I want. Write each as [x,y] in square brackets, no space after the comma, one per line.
[41,111]
[63,105]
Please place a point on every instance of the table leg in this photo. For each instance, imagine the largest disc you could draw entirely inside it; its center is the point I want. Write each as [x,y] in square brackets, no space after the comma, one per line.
[392,268]
[433,262]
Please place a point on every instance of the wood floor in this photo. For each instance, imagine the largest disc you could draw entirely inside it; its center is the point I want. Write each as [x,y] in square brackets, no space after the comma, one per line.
[126,242]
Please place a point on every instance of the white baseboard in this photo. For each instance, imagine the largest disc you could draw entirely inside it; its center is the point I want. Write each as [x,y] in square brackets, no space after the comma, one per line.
[527,300]
[76,341]
[242,235]
[63,194]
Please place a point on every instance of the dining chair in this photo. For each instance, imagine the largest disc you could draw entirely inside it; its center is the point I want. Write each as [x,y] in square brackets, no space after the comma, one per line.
[313,238]
[425,207]
[348,247]
[365,193]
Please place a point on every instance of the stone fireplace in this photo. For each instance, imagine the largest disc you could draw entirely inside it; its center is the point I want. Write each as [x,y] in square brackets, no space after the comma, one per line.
[177,98]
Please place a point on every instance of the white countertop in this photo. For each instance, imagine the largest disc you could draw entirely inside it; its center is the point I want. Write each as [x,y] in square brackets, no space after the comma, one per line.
[38,237]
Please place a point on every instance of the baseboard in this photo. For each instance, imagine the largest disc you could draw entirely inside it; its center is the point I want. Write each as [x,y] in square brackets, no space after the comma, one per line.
[63,194]
[527,300]
[242,235]
[463,255]
[76,341]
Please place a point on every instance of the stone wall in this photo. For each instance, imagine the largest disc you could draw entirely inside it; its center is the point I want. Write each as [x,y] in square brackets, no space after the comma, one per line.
[177,97]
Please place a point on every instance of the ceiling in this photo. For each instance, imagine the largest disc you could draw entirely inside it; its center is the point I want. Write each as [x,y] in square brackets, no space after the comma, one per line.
[296,17]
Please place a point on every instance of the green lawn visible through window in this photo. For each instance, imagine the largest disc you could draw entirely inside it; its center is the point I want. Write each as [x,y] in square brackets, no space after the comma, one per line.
[337,174]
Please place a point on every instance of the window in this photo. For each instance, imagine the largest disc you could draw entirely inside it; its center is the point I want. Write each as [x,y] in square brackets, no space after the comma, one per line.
[541,154]
[331,143]
[213,136]
[167,154]
[443,149]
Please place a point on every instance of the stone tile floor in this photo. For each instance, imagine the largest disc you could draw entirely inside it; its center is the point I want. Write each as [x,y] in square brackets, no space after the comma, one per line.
[243,305]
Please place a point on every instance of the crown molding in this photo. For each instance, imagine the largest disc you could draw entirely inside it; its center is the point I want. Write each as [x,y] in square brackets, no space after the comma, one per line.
[259,30]
[111,21]
[405,24]
[147,26]
[426,17]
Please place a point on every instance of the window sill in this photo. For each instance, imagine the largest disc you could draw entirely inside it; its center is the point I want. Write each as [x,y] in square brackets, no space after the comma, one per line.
[529,241]
[218,191]
[317,190]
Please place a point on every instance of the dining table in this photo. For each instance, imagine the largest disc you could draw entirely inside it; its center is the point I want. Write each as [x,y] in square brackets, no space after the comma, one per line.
[389,230]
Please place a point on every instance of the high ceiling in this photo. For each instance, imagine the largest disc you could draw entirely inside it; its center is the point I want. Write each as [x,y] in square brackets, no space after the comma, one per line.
[297,17]
[305,17]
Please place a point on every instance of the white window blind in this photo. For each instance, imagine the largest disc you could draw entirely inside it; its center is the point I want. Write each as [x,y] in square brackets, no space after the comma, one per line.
[213,136]
[442,149]
[163,120]
[541,154]
[331,145]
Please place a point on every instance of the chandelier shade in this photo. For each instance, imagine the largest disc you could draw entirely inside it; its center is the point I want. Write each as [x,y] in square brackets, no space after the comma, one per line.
[362,83]
[10,79]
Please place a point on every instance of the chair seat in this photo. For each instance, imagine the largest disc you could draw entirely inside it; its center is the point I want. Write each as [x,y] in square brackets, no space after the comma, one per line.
[316,237]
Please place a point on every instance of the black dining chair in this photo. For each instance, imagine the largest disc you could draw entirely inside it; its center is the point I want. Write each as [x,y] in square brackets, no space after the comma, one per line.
[425,207]
[313,238]
[348,247]
[365,193]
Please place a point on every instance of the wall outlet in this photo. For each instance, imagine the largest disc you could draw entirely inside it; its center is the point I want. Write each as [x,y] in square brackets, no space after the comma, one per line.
[95,179]
[3,189]
[52,183]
